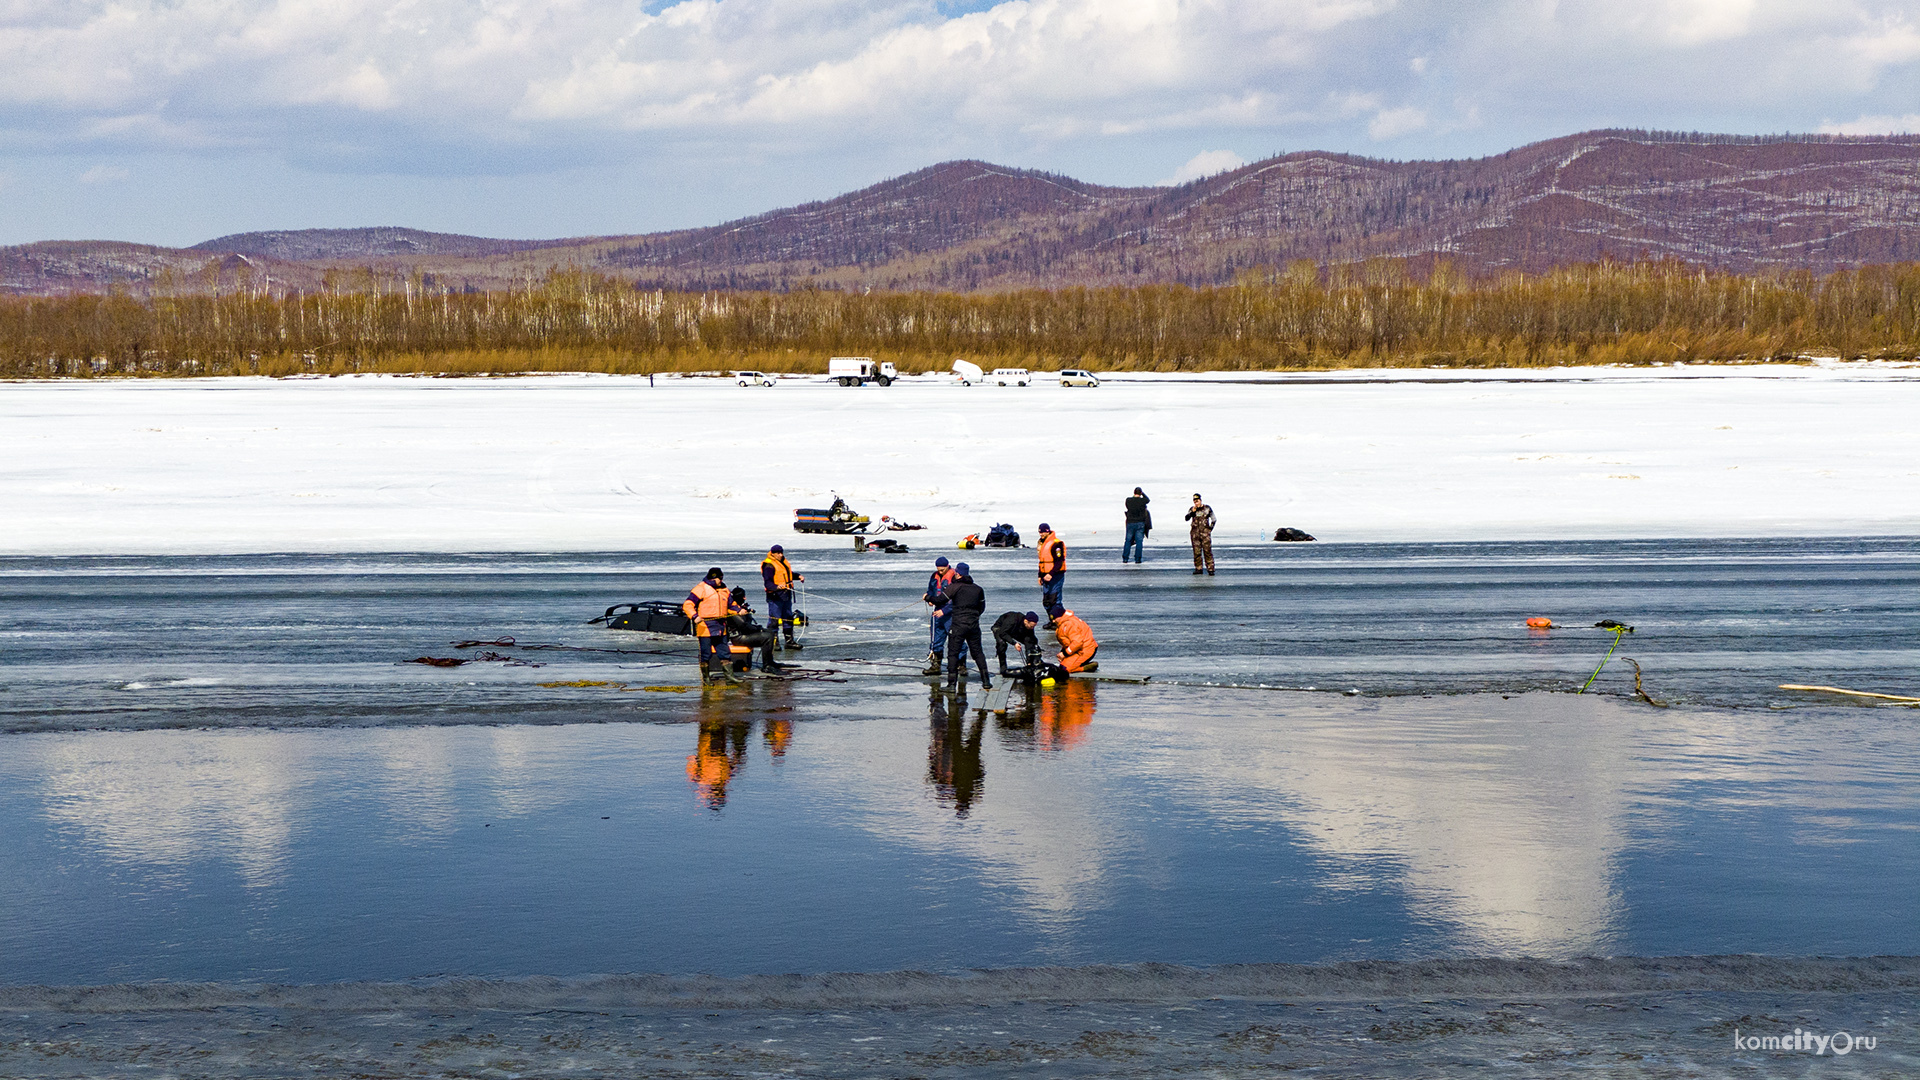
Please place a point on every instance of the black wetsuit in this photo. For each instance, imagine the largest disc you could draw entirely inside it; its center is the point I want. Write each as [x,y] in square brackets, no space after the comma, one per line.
[1011,629]
[967,602]
[743,630]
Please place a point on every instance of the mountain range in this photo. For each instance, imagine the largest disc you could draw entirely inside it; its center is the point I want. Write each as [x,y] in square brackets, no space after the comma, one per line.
[1733,203]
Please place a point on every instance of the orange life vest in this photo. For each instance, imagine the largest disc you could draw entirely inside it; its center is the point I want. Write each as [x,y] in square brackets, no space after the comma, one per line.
[1047,562]
[782,573]
[938,583]
[706,602]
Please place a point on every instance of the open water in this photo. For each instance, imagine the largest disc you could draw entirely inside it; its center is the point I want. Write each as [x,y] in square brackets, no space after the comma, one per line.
[224,769]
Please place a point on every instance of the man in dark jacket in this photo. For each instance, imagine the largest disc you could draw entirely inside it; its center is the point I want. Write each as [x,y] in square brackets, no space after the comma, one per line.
[743,630]
[936,598]
[1015,628]
[966,602]
[1139,524]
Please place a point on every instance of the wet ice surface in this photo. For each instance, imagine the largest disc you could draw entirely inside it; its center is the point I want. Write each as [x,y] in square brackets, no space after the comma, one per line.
[284,802]
[105,642]
[1648,1034]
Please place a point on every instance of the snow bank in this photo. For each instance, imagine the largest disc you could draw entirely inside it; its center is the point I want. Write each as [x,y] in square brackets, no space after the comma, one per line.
[597,463]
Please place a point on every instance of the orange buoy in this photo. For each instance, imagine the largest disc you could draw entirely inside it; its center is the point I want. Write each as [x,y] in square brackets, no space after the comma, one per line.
[1540,622]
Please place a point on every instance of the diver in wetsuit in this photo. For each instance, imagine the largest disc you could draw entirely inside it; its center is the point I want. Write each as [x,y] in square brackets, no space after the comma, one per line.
[743,630]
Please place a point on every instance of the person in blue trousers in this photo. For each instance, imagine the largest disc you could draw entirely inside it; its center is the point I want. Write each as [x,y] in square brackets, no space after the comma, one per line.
[936,597]
[1139,524]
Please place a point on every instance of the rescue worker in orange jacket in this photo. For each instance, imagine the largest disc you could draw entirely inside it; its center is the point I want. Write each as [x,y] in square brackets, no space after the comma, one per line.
[708,606]
[1077,646]
[777,577]
[1053,568]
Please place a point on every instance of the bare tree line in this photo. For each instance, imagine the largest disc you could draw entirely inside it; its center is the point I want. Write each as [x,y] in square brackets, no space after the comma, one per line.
[1300,316]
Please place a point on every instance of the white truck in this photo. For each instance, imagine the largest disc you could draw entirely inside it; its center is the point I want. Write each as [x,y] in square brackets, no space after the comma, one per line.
[860,370]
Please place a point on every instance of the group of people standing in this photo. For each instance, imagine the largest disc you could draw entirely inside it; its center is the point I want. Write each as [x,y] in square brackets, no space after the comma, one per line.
[728,634]
[959,604]
[1200,525]
[724,625]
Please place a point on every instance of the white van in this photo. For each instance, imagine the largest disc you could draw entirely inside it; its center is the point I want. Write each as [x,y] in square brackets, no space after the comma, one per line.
[753,378]
[860,370]
[969,373]
[1078,377]
[1018,376]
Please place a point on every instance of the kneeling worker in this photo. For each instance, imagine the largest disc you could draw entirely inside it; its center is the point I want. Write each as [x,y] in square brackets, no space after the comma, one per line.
[746,635]
[1076,642]
[707,607]
[1015,628]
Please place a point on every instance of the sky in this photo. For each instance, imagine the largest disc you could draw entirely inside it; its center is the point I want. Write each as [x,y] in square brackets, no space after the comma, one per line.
[177,121]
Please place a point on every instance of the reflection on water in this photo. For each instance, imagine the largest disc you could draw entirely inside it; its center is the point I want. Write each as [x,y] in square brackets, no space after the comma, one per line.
[953,752]
[1192,826]
[171,803]
[1506,824]
[720,753]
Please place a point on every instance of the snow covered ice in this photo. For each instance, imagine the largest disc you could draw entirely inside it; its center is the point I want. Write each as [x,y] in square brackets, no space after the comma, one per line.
[605,463]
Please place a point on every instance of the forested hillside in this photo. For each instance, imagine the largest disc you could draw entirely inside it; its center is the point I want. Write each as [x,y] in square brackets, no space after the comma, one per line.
[1720,203]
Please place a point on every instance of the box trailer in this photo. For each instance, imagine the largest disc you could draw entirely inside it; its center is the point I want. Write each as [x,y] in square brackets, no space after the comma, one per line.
[860,370]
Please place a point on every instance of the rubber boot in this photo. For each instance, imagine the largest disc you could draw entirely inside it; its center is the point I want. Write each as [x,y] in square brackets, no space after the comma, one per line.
[789,643]
[726,672]
[933,664]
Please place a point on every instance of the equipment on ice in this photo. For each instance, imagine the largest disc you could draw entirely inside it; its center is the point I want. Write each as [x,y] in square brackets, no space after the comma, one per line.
[838,518]
[1291,534]
[651,616]
[657,617]
[860,370]
[1000,536]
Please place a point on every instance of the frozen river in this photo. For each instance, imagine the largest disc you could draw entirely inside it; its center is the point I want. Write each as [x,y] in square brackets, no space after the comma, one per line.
[278,797]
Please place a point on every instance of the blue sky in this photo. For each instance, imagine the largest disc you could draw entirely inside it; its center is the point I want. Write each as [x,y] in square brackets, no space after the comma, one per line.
[175,121]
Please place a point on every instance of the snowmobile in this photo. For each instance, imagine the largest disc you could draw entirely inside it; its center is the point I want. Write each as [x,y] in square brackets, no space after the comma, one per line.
[838,518]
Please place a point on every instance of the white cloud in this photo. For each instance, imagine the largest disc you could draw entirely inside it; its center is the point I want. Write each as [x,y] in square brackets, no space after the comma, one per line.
[104,174]
[1875,125]
[1696,21]
[1888,44]
[855,89]
[1393,123]
[1204,163]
